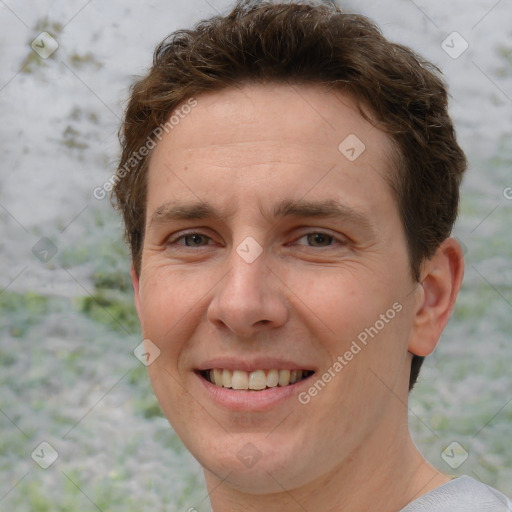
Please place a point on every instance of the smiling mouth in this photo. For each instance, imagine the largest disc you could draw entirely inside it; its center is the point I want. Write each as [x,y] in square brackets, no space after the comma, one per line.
[255,381]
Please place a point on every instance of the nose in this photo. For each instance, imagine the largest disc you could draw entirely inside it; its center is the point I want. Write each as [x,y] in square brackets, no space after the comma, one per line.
[249,298]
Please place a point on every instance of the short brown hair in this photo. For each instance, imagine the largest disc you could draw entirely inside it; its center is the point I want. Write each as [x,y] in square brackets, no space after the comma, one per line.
[307,43]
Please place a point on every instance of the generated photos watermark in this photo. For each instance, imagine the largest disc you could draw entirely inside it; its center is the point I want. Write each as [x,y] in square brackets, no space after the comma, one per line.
[102,191]
[363,338]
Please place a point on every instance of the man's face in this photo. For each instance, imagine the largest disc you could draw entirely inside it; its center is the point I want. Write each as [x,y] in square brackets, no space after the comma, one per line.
[274,284]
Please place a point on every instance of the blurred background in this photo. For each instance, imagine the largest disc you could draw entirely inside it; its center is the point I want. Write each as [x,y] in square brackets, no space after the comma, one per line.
[68,375]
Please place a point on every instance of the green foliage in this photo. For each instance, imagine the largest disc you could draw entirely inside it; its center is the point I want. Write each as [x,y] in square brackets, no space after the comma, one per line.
[71,139]
[506,54]
[33,61]
[35,496]
[20,311]
[103,495]
[114,280]
[79,61]
[111,303]
[32,303]
[111,308]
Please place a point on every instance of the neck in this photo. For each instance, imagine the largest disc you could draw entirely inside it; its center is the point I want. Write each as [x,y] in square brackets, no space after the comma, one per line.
[385,472]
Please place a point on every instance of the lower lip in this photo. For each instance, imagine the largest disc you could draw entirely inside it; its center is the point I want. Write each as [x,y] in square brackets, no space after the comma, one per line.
[247,400]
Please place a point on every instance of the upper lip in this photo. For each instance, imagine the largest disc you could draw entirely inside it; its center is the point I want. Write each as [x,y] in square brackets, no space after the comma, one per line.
[251,365]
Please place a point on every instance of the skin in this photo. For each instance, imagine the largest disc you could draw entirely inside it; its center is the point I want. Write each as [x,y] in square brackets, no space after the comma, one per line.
[304,298]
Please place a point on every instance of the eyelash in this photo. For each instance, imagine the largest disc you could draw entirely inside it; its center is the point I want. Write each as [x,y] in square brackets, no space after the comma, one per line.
[333,238]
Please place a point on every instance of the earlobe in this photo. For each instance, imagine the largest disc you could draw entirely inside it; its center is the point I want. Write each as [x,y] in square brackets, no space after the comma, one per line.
[441,281]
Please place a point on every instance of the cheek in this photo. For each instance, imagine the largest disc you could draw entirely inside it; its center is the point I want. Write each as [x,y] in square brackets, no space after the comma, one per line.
[169,309]
[168,296]
[341,302]
[359,317]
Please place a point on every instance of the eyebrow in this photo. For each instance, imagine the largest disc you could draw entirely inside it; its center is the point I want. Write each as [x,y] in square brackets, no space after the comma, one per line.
[173,211]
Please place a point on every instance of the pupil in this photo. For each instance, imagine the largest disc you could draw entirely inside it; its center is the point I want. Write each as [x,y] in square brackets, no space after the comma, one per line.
[320,238]
[196,239]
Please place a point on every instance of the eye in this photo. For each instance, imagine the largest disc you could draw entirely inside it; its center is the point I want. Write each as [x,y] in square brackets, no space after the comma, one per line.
[319,239]
[313,239]
[191,240]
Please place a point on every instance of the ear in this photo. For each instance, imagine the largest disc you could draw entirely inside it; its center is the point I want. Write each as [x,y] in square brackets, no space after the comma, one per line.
[136,293]
[438,288]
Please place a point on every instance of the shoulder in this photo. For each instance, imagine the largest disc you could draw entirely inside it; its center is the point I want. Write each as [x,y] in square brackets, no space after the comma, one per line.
[462,494]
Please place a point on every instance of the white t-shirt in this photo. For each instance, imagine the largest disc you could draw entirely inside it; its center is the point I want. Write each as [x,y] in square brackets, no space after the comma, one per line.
[462,494]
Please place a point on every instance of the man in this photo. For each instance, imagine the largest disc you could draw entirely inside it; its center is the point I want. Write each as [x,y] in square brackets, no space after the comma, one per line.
[289,181]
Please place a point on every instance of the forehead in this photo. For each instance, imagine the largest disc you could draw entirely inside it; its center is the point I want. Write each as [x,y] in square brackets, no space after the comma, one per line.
[267,139]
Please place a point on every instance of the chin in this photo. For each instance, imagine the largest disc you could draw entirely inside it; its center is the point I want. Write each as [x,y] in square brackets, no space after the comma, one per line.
[251,463]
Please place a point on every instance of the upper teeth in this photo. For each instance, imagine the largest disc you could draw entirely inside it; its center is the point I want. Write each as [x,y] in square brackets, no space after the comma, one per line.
[259,379]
